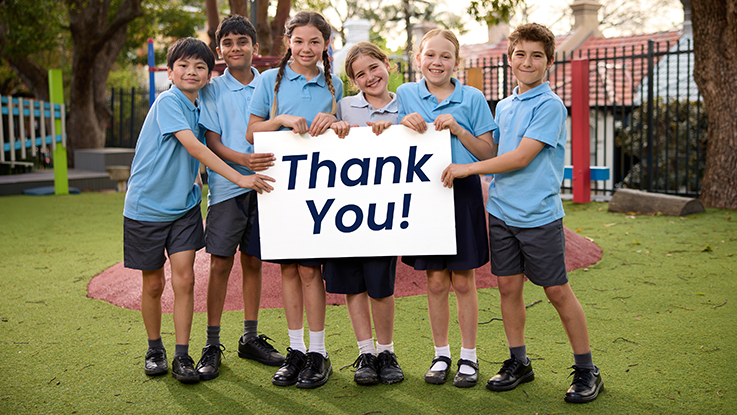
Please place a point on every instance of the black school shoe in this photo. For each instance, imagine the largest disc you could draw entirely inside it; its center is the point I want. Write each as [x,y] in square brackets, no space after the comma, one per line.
[289,371]
[512,373]
[182,368]
[438,377]
[366,369]
[587,384]
[316,372]
[463,380]
[388,367]
[256,348]
[155,363]
[209,365]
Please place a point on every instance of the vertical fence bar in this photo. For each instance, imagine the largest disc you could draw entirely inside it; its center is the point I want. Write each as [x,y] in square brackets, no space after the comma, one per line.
[133,114]
[32,123]
[21,129]
[650,87]
[2,133]
[11,131]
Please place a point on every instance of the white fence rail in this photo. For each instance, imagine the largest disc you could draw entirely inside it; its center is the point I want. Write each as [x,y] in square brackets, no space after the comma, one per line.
[28,126]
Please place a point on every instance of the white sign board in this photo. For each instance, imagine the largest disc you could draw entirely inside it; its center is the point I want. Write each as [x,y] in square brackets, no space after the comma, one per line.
[365,195]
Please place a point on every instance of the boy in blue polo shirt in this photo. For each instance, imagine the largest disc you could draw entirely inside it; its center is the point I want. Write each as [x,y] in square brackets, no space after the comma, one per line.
[232,210]
[162,206]
[525,212]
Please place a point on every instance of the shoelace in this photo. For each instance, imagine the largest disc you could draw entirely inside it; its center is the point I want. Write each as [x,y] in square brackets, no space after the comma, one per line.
[387,359]
[156,353]
[510,365]
[581,376]
[361,360]
[262,344]
[209,357]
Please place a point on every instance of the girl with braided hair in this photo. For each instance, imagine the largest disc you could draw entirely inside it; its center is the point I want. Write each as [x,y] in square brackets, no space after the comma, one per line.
[302,97]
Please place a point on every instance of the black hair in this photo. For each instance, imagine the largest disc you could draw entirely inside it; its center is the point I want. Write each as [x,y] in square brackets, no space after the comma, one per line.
[238,25]
[190,47]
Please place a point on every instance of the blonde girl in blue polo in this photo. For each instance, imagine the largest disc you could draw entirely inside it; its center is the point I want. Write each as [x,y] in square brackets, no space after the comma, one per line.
[440,99]
[302,97]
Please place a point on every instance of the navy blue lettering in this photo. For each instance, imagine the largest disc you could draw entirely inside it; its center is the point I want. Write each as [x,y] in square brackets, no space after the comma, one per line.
[339,218]
[318,217]
[293,168]
[381,161]
[316,164]
[362,179]
[416,168]
[372,217]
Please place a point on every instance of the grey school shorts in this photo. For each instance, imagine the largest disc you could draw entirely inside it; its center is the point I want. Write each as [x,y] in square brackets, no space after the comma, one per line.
[230,224]
[539,253]
[144,242]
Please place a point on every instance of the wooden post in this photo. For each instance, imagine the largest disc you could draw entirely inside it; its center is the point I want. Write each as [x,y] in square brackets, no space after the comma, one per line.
[56,96]
[580,140]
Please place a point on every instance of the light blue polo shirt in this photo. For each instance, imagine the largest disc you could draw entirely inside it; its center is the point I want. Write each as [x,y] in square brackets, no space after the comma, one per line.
[357,111]
[161,187]
[466,104]
[297,96]
[530,197]
[224,106]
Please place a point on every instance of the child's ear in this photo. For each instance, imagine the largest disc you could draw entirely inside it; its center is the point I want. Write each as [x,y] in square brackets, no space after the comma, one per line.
[220,55]
[550,63]
[255,49]
[168,72]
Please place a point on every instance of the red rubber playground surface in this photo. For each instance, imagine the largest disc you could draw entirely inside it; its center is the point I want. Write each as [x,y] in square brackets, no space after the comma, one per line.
[122,286]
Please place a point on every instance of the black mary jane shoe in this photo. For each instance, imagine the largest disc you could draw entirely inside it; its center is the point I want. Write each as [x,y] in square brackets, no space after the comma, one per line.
[463,380]
[438,377]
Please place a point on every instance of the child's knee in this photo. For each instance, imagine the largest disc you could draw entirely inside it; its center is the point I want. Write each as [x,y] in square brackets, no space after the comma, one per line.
[153,286]
[557,294]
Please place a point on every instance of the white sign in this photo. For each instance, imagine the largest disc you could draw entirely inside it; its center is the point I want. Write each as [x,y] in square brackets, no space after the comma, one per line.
[364,195]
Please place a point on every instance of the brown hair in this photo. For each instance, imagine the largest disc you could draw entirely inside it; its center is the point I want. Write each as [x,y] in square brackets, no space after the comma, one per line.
[304,18]
[363,48]
[447,34]
[533,32]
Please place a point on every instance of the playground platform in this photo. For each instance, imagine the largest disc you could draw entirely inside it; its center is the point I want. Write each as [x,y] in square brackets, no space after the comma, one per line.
[84,180]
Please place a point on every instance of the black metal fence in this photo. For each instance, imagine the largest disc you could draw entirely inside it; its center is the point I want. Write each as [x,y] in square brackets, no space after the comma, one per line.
[129,107]
[647,119]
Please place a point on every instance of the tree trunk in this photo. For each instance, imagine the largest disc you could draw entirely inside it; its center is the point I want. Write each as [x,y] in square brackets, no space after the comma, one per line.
[270,34]
[213,20]
[97,44]
[715,52]
[239,7]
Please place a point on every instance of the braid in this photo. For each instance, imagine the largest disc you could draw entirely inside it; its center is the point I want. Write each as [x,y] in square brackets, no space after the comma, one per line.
[282,65]
[279,76]
[329,80]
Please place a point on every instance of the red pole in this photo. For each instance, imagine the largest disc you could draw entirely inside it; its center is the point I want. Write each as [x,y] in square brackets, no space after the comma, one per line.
[580,140]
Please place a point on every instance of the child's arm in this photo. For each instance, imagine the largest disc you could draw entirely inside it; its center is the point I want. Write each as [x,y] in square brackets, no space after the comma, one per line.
[516,159]
[258,124]
[196,149]
[254,161]
[481,146]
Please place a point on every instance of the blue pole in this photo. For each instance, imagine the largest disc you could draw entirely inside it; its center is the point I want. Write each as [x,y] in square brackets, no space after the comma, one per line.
[151,77]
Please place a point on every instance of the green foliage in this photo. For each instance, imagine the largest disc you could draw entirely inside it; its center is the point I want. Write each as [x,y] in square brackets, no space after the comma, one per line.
[678,150]
[32,27]
[162,19]
[493,11]
[127,77]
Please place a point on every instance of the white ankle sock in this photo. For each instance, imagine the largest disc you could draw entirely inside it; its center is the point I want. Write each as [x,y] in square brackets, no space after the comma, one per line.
[468,354]
[366,346]
[317,342]
[297,340]
[384,347]
[441,351]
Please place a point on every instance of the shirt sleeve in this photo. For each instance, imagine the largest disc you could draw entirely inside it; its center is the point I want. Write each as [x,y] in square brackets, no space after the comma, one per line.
[401,109]
[208,109]
[483,121]
[170,116]
[262,98]
[548,115]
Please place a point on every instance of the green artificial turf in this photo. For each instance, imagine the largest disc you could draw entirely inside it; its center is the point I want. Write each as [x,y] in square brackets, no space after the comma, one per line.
[660,307]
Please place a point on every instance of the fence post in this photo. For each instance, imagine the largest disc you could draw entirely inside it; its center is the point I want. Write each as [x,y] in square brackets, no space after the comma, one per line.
[649,134]
[56,96]
[151,69]
[580,130]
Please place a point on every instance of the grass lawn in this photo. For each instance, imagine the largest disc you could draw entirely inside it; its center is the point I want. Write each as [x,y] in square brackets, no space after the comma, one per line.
[660,306]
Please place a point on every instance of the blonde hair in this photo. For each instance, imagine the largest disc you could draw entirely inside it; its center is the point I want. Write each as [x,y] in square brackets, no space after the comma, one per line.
[317,20]
[363,48]
[445,33]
